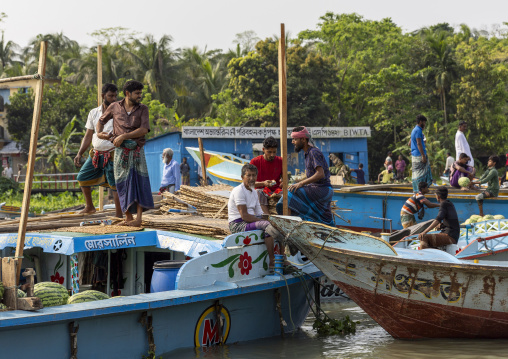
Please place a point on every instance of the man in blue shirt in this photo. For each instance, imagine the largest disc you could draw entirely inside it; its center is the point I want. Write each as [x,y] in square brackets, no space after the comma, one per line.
[170,173]
[421,167]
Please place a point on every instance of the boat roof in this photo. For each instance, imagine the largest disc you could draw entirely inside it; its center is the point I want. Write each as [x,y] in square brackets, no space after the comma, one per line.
[68,243]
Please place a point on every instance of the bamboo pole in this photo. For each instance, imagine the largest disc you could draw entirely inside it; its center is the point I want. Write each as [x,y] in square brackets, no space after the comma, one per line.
[204,181]
[20,78]
[39,88]
[99,102]
[283,118]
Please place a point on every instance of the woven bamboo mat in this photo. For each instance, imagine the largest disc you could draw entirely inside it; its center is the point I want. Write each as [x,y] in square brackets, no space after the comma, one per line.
[100,229]
[189,224]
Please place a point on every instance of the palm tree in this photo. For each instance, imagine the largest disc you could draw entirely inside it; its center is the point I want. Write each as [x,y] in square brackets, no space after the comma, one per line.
[8,53]
[58,147]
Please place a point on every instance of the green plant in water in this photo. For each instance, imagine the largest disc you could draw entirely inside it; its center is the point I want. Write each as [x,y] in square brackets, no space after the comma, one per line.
[330,326]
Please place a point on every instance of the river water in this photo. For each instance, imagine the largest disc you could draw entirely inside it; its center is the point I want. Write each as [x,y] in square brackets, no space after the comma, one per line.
[370,341]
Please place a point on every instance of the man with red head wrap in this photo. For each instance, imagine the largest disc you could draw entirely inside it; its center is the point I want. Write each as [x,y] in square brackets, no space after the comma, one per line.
[310,198]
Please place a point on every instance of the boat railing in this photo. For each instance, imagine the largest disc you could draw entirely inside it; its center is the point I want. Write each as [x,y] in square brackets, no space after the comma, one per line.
[492,225]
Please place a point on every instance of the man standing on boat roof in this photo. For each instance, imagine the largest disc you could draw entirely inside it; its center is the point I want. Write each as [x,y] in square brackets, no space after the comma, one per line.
[269,167]
[98,169]
[244,211]
[130,125]
[461,144]
[449,221]
[420,162]
[170,173]
[415,204]
[310,198]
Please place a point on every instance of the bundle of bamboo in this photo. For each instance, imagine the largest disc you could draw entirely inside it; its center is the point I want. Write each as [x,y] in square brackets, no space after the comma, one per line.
[188,224]
[203,199]
[101,229]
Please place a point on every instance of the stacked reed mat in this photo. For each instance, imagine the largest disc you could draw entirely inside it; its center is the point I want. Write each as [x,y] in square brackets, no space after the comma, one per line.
[188,224]
[207,204]
[100,229]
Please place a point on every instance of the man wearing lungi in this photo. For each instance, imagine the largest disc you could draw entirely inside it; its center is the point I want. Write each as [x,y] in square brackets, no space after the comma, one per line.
[130,125]
[98,170]
[310,198]
[421,167]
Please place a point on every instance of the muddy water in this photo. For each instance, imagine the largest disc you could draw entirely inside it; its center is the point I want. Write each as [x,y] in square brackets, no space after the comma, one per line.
[370,341]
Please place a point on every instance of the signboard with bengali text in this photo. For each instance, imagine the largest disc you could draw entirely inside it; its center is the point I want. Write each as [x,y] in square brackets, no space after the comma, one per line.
[264,132]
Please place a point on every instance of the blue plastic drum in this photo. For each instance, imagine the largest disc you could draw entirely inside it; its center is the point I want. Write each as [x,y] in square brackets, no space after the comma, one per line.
[164,275]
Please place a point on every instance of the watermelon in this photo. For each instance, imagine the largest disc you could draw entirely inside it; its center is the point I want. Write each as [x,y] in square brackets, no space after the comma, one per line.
[82,298]
[472,220]
[2,306]
[97,294]
[476,217]
[21,294]
[51,293]
[498,216]
[1,290]
[468,221]
[464,182]
[487,217]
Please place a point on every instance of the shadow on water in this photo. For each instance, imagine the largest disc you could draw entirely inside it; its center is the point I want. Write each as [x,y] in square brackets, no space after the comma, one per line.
[370,341]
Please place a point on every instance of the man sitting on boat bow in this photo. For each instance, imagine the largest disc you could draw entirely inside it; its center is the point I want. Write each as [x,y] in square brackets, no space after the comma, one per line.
[244,211]
[447,217]
[310,198]
[415,204]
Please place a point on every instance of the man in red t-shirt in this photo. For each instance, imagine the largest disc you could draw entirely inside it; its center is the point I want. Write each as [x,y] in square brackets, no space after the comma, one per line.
[269,167]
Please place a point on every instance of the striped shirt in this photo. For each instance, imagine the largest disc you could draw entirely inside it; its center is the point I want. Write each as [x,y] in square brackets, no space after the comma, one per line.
[412,206]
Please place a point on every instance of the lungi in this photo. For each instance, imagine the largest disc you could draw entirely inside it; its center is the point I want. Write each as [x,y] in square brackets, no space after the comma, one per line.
[421,172]
[311,203]
[131,176]
[98,170]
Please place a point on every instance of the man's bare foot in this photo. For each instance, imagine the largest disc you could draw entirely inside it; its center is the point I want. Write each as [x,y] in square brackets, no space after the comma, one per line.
[119,215]
[135,223]
[87,210]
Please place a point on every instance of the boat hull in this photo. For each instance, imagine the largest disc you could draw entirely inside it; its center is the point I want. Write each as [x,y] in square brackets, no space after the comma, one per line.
[411,294]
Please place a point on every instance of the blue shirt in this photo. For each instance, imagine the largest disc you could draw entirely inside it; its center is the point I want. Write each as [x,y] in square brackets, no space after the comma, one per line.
[360,176]
[171,175]
[314,158]
[417,133]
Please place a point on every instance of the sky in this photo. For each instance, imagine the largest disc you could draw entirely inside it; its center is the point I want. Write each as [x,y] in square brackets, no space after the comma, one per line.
[214,24]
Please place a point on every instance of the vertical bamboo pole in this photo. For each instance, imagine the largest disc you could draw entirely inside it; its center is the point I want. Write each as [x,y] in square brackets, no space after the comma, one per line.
[283,113]
[204,181]
[36,119]
[99,101]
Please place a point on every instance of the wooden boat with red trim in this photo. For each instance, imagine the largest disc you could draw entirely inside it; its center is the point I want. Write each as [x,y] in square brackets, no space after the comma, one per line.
[411,294]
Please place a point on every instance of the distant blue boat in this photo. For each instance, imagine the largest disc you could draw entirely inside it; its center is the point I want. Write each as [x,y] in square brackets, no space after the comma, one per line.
[224,294]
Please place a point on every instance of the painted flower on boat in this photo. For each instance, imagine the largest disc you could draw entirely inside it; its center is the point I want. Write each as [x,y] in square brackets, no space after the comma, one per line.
[246,240]
[276,248]
[57,278]
[245,263]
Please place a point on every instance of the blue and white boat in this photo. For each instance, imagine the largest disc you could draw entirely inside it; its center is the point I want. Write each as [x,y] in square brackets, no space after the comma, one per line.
[223,294]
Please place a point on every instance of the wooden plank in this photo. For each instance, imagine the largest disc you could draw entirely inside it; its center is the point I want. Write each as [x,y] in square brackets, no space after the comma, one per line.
[99,103]
[283,118]
[9,280]
[39,88]
[29,303]
[17,78]
[204,182]
[372,187]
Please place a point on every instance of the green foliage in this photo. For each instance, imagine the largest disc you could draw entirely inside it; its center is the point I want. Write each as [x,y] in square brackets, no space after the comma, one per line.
[7,184]
[329,326]
[39,203]
[61,104]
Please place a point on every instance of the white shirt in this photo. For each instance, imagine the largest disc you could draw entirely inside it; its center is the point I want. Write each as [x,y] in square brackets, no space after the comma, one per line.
[91,123]
[241,195]
[449,162]
[461,146]
[8,172]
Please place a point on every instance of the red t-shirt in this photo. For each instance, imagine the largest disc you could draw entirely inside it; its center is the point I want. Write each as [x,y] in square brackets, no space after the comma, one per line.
[268,170]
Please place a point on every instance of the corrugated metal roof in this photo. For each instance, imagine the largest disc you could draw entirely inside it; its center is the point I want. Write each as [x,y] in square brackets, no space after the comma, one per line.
[11,148]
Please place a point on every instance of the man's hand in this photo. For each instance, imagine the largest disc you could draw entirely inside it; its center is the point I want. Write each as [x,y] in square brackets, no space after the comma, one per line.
[77,160]
[295,186]
[118,141]
[424,159]
[267,183]
[104,135]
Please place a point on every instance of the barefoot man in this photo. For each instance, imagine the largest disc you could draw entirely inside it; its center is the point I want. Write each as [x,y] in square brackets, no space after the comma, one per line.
[130,125]
[98,168]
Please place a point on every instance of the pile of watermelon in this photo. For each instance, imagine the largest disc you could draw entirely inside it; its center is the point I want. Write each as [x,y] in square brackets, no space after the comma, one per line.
[51,293]
[477,219]
[87,296]
[21,294]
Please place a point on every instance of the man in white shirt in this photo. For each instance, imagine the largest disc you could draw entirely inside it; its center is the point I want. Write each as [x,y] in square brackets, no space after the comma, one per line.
[98,170]
[7,172]
[171,176]
[449,163]
[461,145]
[244,211]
